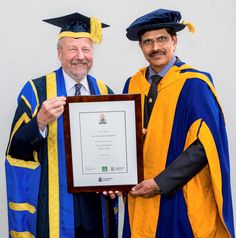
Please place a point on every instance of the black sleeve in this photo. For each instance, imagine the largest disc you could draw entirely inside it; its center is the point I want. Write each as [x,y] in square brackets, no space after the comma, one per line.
[182,169]
[26,139]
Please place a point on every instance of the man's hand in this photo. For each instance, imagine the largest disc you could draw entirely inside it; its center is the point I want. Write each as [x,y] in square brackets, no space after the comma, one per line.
[51,109]
[145,188]
[144,131]
[112,194]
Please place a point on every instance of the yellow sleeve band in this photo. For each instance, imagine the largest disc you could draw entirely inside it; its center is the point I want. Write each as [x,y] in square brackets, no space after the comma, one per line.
[24,234]
[22,207]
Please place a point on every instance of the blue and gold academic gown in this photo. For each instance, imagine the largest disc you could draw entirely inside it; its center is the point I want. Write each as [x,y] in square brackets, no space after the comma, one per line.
[38,202]
[187,109]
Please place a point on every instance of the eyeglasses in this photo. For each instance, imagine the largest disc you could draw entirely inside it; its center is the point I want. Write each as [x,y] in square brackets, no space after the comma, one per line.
[161,40]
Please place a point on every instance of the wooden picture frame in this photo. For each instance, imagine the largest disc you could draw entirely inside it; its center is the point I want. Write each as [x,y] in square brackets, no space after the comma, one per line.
[103,142]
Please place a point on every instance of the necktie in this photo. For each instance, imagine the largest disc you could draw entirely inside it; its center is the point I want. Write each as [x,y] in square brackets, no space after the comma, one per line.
[77,89]
[152,94]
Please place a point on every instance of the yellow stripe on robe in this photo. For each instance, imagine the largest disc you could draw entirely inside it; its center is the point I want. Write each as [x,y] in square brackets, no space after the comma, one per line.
[36,97]
[24,234]
[22,207]
[102,87]
[53,173]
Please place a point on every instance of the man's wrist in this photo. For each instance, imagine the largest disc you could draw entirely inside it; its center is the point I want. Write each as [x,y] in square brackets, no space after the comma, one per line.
[41,126]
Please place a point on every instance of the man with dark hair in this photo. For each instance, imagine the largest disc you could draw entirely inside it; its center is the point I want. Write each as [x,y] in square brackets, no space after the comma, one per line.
[186,189]
[39,203]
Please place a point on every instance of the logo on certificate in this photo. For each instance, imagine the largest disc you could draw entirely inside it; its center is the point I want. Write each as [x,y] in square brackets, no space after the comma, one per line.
[102,119]
[104,168]
[100,179]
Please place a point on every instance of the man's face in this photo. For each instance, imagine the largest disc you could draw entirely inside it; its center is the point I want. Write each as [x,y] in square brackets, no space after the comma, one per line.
[76,56]
[158,48]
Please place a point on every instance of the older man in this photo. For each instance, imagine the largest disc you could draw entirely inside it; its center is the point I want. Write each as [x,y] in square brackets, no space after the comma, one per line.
[39,203]
[186,188]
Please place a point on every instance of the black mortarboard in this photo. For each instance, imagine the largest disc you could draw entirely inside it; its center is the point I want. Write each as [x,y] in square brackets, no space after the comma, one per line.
[157,19]
[77,25]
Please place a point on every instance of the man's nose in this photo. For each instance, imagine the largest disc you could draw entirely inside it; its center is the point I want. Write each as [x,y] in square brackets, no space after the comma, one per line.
[155,45]
[80,54]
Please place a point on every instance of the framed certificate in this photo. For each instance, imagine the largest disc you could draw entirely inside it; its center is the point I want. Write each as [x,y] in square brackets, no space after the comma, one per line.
[104,142]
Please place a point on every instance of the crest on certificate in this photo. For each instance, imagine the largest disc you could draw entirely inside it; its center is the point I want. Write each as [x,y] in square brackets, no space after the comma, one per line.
[102,119]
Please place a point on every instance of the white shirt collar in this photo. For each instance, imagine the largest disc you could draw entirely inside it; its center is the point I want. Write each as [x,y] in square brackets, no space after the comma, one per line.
[70,85]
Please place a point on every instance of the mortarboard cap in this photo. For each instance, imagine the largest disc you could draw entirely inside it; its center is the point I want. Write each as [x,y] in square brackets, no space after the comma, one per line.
[76,25]
[157,19]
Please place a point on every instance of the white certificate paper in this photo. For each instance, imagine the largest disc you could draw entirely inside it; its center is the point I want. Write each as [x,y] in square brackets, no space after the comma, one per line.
[103,147]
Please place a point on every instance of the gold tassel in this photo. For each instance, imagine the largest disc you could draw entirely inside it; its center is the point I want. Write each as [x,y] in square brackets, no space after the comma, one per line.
[190,26]
[95,30]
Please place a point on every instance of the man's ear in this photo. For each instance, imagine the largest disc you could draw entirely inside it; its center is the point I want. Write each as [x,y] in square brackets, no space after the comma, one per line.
[59,53]
[140,44]
[175,40]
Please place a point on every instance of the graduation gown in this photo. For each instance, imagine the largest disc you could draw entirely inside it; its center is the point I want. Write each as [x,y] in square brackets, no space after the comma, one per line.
[187,109]
[38,202]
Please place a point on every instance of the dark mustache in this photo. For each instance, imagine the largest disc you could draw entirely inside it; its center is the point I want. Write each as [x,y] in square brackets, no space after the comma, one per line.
[155,52]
